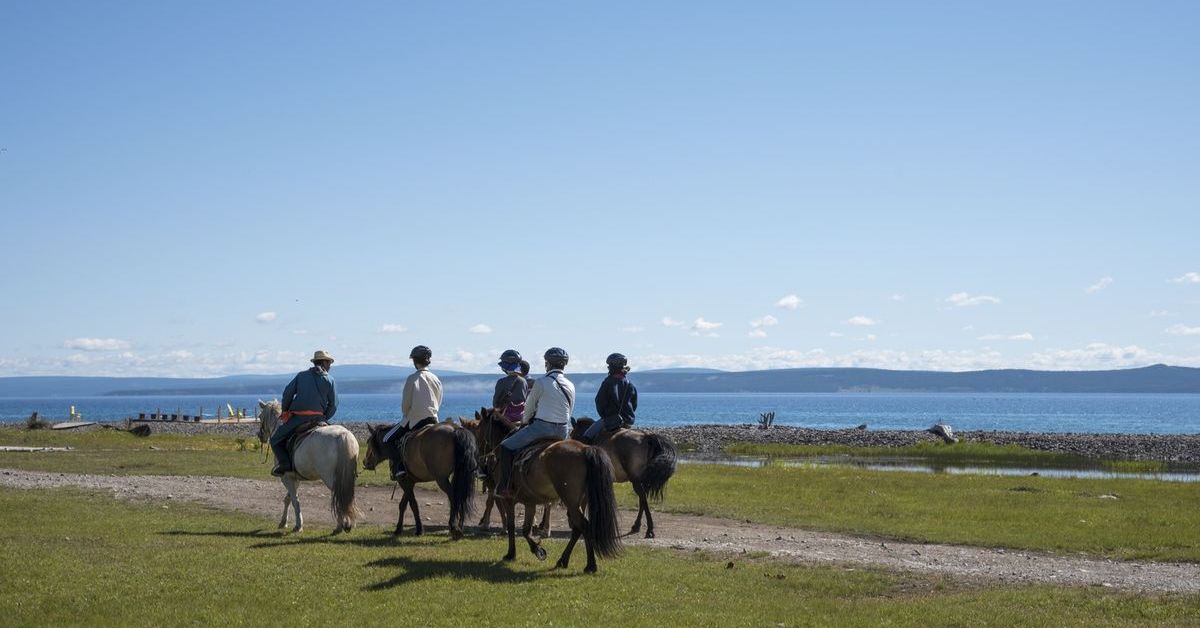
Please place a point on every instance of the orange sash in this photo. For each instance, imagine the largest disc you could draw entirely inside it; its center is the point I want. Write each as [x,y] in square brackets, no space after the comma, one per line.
[283,418]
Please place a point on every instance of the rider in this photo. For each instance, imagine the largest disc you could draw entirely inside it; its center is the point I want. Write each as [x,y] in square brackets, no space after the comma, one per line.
[511,390]
[616,400]
[547,411]
[422,398]
[310,396]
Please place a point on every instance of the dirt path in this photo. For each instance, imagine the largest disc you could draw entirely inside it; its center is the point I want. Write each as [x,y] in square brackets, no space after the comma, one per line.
[679,532]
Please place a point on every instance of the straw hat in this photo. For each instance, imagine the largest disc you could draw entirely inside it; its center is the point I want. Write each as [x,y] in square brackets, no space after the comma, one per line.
[321,355]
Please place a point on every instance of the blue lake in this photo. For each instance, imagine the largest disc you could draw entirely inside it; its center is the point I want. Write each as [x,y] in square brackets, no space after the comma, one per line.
[1130,413]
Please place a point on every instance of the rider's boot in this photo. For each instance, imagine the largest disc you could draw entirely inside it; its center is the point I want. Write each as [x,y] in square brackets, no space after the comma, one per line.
[504,482]
[282,463]
[398,471]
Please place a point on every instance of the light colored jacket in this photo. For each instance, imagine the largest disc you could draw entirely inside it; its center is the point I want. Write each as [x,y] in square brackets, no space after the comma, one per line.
[422,397]
[552,399]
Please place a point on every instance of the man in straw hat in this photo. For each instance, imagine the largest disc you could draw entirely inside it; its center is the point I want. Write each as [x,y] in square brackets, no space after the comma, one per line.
[310,396]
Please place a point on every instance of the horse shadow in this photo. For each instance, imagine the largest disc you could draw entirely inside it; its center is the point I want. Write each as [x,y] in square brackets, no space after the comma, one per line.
[415,570]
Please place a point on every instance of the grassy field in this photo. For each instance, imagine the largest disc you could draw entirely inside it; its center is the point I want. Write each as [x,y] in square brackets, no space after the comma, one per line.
[70,558]
[1122,519]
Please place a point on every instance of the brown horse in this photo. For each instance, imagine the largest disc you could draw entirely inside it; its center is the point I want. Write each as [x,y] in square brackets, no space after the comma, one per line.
[644,459]
[578,475]
[442,453]
[489,486]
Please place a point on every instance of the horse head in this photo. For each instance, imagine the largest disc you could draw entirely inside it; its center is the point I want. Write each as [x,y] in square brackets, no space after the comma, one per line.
[268,418]
[374,453]
[579,426]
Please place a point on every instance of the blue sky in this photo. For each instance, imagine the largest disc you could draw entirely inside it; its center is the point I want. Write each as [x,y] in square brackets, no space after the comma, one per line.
[213,188]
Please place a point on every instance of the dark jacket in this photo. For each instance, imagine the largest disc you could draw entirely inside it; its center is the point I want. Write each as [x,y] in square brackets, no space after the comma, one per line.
[616,401]
[509,389]
[311,390]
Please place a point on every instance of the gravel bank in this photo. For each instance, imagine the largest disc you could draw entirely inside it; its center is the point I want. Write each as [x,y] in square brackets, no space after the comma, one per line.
[1181,448]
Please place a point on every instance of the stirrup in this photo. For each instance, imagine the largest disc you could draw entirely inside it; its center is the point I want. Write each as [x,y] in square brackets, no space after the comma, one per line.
[279,471]
[399,475]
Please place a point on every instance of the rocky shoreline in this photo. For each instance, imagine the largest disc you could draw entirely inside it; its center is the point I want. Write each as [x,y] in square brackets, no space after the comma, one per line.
[709,439]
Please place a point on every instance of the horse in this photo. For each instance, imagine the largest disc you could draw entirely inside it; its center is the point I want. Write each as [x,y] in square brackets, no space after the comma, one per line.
[328,453]
[578,475]
[489,487]
[444,453]
[644,459]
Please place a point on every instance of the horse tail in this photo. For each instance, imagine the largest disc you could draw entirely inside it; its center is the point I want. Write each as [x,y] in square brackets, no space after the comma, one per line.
[466,462]
[345,474]
[660,465]
[602,503]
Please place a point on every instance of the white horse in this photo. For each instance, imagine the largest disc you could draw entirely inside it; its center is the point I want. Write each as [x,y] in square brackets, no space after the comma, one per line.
[329,454]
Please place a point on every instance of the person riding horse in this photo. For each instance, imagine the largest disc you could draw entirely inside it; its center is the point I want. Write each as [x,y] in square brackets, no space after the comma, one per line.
[420,404]
[310,396]
[616,400]
[512,389]
[547,411]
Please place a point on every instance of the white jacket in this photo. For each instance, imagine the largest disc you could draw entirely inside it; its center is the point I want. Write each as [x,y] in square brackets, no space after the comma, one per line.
[422,397]
[552,399]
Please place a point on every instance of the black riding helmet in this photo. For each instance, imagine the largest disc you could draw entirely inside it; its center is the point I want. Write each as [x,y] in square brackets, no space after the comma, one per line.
[420,352]
[555,356]
[616,360]
[511,355]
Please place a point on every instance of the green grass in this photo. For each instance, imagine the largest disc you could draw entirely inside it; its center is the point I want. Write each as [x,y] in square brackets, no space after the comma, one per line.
[987,453]
[70,558]
[1060,515]
[1147,520]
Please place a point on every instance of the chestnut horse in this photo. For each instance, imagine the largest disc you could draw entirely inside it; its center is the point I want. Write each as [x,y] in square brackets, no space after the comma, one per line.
[444,453]
[489,486]
[578,475]
[644,459]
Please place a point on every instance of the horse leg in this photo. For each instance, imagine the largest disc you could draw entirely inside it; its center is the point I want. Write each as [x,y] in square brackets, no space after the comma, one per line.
[418,527]
[527,532]
[292,486]
[287,503]
[485,521]
[400,518]
[544,529]
[455,525]
[637,523]
[645,505]
[509,508]
[576,521]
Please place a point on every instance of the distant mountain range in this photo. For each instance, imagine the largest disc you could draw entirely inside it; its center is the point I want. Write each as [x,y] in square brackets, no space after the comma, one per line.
[369,378]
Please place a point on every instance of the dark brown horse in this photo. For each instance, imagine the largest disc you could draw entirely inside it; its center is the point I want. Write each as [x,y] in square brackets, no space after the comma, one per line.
[644,459]
[489,486]
[579,476]
[443,453]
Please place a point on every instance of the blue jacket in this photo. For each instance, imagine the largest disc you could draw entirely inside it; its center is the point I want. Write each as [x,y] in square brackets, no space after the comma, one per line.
[311,390]
[616,401]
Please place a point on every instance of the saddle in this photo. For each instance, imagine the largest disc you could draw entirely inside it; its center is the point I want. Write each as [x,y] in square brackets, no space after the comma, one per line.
[302,433]
[527,456]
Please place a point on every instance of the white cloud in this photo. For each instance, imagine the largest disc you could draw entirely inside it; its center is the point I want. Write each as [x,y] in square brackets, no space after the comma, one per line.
[1160,313]
[835,334]
[1024,336]
[1099,285]
[1192,277]
[757,333]
[968,328]
[392,328]
[1097,355]
[766,321]
[480,329]
[633,329]
[871,337]
[964,299]
[96,344]
[790,302]
[897,297]
[667,321]
[702,325]
[265,317]
[1182,330]
[861,321]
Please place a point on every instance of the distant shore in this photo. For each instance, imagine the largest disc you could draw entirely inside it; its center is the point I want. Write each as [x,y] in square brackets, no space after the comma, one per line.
[710,439]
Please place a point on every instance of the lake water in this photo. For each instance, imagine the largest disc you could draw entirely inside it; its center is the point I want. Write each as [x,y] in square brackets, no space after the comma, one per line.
[1097,413]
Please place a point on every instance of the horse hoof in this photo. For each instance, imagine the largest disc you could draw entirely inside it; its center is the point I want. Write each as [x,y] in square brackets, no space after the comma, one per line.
[635,529]
[418,533]
[510,557]
[560,565]
[649,534]
[540,553]
[456,535]
[397,532]
[589,569]
[297,530]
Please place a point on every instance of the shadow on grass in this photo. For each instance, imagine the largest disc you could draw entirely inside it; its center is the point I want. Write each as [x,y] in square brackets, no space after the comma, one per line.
[414,570]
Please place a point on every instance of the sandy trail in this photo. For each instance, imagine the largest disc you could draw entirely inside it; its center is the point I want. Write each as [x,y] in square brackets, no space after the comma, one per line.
[679,532]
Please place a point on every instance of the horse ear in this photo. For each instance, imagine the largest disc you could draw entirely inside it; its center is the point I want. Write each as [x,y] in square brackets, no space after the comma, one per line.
[572,421]
[261,404]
